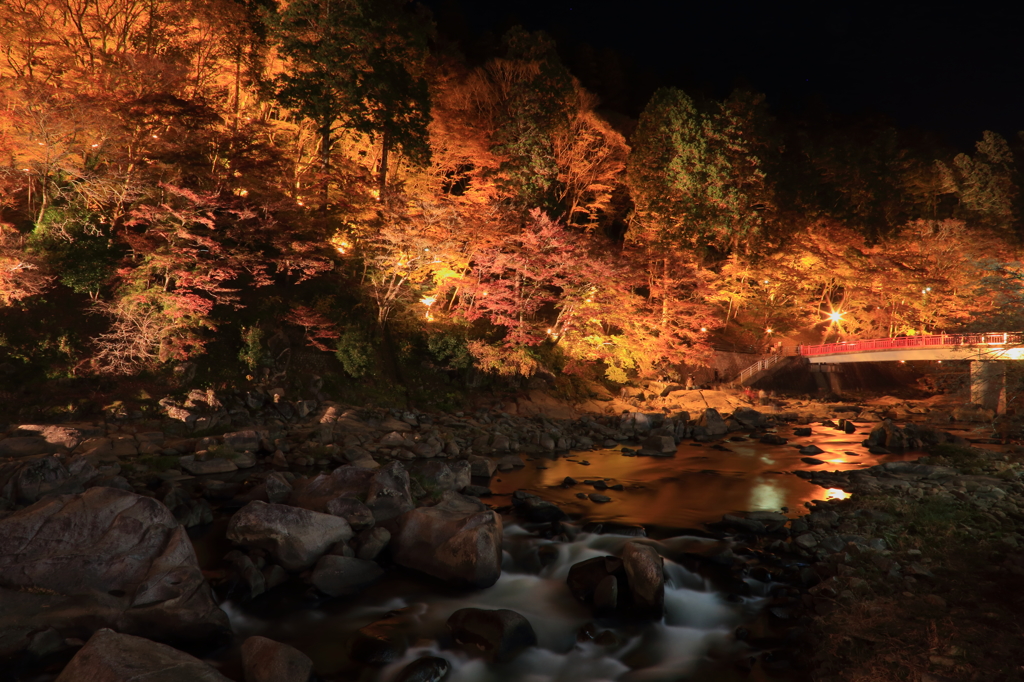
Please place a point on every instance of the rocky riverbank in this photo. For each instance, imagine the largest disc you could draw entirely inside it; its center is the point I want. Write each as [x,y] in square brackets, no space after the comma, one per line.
[95,564]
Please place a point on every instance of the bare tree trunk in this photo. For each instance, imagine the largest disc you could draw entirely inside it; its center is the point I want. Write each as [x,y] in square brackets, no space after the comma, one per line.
[382,182]
[325,157]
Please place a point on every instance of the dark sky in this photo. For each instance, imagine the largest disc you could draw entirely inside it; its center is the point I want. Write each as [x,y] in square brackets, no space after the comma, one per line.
[953,69]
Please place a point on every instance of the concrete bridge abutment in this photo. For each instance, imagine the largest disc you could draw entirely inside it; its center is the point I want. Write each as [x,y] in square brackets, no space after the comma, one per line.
[988,385]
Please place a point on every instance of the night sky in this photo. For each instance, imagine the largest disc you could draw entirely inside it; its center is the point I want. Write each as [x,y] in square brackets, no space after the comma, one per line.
[954,70]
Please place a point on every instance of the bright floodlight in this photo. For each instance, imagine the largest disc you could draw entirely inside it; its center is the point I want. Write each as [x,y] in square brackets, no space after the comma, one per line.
[835,317]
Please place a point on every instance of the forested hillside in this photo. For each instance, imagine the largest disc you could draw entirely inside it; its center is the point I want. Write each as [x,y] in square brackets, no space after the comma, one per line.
[209,183]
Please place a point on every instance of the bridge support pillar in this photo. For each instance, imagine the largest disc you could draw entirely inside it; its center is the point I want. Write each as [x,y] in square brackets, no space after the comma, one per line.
[988,385]
[827,378]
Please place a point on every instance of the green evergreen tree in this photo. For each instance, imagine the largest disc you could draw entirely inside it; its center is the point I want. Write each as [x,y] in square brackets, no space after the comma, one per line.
[357,62]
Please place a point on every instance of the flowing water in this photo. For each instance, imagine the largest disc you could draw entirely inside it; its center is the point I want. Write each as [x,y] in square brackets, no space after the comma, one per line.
[697,485]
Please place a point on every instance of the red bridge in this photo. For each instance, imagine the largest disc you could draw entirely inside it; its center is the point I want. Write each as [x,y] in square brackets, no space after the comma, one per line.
[989,346]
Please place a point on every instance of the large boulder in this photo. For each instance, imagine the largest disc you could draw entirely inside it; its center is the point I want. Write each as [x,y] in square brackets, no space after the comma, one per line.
[102,558]
[596,582]
[498,635]
[457,540]
[109,656]
[712,423]
[29,481]
[645,573]
[749,418]
[295,537]
[265,660]
[26,446]
[388,496]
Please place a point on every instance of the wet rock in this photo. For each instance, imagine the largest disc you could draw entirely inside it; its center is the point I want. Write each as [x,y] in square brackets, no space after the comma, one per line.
[510,462]
[746,525]
[772,439]
[433,475]
[806,541]
[646,578]
[388,495]
[599,498]
[315,493]
[498,635]
[199,467]
[352,510]
[811,450]
[712,423]
[109,656]
[250,575]
[279,489]
[372,543]
[801,432]
[659,444]
[586,577]
[102,558]
[476,491]
[341,575]
[569,481]
[386,640]
[536,510]
[295,537]
[482,467]
[26,482]
[812,460]
[453,540]
[749,418]
[240,441]
[265,660]
[426,669]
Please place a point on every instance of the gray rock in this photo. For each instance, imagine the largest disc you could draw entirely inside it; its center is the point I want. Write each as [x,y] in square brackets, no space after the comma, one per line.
[806,541]
[713,424]
[112,657]
[295,537]
[26,482]
[248,572]
[102,558]
[451,541]
[265,660]
[372,542]
[340,575]
[462,473]
[509,462]
[645,573]
[198,467]
[240,441]
[663,444]
[352,510]
[498,635]
[749,418]
[433,475]
[388,495]
[278,488]
[483,467]
[345,481]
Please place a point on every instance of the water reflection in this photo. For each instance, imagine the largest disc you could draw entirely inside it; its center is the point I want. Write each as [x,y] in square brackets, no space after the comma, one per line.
[699,484]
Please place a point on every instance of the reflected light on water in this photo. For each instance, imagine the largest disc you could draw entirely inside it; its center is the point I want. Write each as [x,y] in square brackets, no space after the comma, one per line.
[766,495]
[836,494]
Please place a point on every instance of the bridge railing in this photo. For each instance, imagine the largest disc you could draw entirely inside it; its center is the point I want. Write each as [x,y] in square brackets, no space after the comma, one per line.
[989,339]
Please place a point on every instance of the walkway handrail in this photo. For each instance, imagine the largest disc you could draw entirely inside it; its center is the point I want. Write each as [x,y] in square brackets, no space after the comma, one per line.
[762,364]
[930,341]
